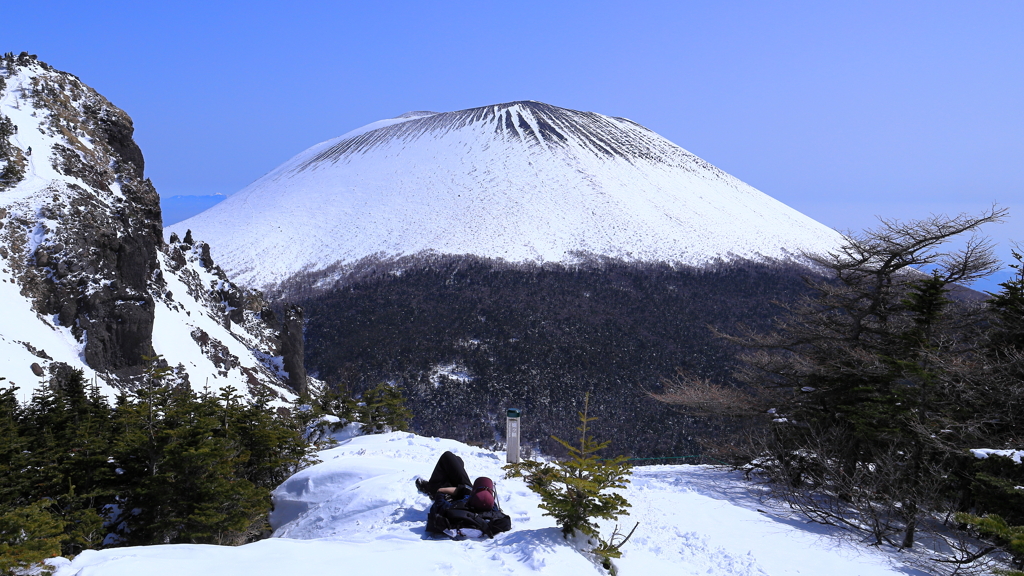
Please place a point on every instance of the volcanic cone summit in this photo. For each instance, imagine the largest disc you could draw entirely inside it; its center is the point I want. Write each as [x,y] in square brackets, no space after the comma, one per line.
[522,182]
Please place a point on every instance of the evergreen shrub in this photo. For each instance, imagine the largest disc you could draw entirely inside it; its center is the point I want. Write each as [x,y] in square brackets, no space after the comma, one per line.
[164,465]
[383,410]
[579,490]
[996,529]
[28,535]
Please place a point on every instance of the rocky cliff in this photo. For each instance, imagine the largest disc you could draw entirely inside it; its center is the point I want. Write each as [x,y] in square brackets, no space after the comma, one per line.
[81,239]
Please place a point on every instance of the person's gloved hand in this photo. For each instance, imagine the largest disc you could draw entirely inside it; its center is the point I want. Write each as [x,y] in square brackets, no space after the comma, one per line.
[462,490]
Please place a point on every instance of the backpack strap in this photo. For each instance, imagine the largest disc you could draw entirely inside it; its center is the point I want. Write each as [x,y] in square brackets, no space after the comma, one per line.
[437,521]
[466,519]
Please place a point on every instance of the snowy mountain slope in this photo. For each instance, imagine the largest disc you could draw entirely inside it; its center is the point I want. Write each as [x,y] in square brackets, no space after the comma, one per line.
[232,359]
[197,333]
[85,277]
[358,509]
[522,181]
[28,338]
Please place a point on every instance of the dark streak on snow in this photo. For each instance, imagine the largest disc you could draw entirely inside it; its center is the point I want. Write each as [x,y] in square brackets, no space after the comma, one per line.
[601,135]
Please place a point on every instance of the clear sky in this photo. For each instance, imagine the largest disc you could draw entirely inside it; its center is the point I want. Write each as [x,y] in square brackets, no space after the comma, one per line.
[843,110]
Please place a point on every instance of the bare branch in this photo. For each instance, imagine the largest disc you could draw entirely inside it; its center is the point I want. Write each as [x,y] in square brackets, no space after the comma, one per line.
[700,394]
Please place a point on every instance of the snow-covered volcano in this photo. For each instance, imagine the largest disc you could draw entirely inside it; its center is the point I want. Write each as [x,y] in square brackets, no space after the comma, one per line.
[522,181]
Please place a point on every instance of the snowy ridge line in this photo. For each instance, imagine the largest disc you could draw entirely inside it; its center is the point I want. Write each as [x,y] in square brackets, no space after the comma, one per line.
[534,122]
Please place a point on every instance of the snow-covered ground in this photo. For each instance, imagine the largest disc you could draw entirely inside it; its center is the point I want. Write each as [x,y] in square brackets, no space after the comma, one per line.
[358,512]
[522,182]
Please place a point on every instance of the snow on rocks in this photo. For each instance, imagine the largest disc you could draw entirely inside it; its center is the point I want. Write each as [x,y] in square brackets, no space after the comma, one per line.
[232,355]
[28,338]
[360,510]
[85,279]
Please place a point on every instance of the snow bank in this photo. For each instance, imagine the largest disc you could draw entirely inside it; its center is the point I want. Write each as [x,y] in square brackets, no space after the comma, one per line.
[359,510]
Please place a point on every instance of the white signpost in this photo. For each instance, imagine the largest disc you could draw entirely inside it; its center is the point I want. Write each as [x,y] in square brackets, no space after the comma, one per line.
[512,434]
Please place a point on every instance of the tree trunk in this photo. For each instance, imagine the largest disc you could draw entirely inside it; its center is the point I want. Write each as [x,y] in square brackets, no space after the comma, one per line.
[908,536]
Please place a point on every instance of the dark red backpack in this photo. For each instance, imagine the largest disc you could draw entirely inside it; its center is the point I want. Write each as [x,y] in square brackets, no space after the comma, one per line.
[482,499]
[479,511]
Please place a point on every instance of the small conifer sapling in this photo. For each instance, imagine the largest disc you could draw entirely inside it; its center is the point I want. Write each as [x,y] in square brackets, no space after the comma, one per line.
[579,490]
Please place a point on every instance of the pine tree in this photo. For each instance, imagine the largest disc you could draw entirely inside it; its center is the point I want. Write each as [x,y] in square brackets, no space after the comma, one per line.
[995,528]
[13,460]
[28,535]
[577,491]
[180,467]
[83,525]
[995,488]
[337,402]
[212,503]
[383,410]
[1005,347]
[275,448]
[198,468]
[873,381]
[67,437]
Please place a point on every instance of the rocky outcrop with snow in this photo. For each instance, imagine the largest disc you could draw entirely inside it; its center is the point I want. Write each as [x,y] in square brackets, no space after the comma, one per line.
[81,224]
[520,182]
[86,278]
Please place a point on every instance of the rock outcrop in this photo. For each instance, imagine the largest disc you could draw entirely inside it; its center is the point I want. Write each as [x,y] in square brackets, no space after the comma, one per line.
[292,349]
[90,247]
[244,312]
[81,236]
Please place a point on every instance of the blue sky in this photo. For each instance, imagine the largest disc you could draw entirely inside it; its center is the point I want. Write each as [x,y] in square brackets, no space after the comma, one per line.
[842,110]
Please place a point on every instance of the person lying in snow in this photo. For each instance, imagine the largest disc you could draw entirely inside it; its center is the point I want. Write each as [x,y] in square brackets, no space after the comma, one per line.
[458,505]
[449,477]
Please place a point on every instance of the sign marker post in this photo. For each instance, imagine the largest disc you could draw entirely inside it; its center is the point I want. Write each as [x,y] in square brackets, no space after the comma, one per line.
[512,434]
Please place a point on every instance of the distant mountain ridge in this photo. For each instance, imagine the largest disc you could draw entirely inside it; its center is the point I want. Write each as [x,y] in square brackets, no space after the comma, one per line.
[520,182]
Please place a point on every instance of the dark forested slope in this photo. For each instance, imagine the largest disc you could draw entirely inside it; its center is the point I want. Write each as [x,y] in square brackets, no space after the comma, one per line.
[467,338]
